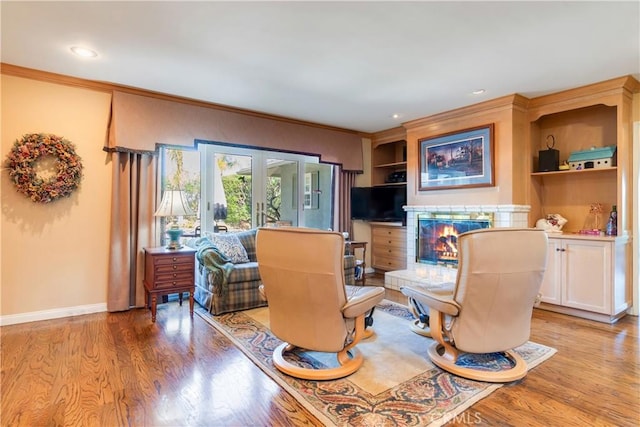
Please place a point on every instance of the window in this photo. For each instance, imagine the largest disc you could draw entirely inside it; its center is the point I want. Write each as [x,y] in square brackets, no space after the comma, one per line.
[180,170]
[235,189]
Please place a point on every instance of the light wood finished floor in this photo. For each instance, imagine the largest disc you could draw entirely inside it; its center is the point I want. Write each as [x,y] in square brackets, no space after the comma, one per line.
[120,369]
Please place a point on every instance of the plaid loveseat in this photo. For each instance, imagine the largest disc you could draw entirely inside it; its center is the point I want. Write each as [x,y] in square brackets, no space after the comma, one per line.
[223,286]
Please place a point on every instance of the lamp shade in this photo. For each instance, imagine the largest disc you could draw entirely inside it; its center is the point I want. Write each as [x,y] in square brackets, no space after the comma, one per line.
[173,204]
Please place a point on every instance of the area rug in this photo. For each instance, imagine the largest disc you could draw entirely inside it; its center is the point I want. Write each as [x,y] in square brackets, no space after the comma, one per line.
[396,386]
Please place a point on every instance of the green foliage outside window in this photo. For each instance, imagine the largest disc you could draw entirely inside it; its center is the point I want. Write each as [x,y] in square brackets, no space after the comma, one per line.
[237,190]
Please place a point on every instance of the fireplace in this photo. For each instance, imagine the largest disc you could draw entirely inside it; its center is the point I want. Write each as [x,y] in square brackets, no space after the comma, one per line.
[423,271]
[437,235]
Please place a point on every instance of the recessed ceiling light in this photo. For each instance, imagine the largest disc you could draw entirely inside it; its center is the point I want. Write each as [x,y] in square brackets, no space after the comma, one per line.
[395,116]
[478,92]
[84,52]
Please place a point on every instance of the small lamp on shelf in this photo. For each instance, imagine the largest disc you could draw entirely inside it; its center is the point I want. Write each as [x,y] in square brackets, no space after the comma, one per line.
[173,204]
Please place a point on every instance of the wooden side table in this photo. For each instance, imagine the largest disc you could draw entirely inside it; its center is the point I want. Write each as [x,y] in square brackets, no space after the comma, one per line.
[360,262]
[167,272]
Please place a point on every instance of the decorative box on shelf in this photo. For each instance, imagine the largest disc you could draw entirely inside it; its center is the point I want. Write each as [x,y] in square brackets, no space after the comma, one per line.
[595,158]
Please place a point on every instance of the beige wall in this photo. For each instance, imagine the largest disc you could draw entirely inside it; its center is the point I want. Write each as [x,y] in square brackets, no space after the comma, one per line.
[509,167]
[54,256]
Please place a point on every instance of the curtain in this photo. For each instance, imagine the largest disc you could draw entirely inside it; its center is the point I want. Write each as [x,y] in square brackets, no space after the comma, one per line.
[347,180]
[132,227]
[140,122]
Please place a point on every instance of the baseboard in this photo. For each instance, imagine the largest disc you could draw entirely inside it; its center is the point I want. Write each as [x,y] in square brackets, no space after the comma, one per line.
[56,313]
[598,317]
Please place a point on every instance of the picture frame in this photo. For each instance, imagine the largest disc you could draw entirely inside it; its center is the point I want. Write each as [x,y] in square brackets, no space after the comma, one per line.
[460,159]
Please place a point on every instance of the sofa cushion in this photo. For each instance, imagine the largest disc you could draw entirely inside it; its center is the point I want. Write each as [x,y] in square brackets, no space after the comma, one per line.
[248,240]
[231,247]
[246,272]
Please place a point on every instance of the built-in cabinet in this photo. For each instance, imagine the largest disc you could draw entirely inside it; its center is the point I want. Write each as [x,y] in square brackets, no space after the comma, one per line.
[389,246]
[389,167]
[585,277]
[588,276]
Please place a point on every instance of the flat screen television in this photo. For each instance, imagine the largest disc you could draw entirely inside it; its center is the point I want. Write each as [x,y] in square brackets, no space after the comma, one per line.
[382,204]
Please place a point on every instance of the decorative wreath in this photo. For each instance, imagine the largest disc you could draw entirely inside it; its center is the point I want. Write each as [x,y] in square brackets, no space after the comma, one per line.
[27,151]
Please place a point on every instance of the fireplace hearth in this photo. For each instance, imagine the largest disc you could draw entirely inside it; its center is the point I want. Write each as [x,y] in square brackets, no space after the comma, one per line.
[437,235]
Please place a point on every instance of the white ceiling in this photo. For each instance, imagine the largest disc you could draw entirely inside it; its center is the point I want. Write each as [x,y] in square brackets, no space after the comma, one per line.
[346,64]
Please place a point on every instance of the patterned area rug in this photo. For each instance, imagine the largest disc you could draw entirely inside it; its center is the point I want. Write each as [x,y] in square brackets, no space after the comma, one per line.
[396,386]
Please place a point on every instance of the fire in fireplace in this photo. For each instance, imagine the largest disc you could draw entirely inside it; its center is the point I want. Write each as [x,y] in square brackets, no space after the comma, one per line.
[438,235]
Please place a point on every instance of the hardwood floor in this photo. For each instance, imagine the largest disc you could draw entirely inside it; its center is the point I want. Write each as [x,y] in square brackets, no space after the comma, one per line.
[112,369]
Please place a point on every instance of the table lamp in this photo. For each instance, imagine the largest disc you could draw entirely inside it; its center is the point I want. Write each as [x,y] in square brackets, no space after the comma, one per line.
[173,204]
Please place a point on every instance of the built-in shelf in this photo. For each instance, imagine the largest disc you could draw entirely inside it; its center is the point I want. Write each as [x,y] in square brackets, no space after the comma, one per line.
[388,160]
[569,172]
[391,165]
[390,184]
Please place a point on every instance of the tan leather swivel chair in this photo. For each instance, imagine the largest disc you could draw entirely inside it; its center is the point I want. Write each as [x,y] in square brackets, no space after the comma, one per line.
[309,305]
[499,277]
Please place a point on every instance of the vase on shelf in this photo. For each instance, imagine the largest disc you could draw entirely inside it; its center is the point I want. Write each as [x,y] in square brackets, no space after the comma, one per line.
[612,223]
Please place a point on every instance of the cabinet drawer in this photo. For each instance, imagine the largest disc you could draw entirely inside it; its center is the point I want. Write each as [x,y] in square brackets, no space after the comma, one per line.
[176,259]
[388,232]
[390,252]
[389,242]
[174,284]
[176,275]
[388,263]
[170,268]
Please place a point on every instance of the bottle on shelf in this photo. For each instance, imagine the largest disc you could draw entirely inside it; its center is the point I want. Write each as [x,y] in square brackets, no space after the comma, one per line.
[612,224]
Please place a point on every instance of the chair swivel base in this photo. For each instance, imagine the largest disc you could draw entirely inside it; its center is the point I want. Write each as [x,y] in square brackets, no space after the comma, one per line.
[420,328]
[420,325]
[446,361]
[349,360]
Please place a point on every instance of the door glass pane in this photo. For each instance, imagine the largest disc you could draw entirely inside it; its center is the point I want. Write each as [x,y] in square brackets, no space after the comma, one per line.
[281,197]
[318,198]
[232,192]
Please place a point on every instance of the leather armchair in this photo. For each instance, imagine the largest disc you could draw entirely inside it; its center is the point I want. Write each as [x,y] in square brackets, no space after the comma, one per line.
[489,309]
[310,308]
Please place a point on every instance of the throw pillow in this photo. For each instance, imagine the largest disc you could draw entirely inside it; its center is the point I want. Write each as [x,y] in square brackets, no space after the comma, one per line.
[230,246]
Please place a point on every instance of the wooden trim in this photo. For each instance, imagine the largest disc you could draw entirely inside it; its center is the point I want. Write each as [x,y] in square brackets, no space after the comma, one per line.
[511,101]
[390,135]
[595,90]
[45,76]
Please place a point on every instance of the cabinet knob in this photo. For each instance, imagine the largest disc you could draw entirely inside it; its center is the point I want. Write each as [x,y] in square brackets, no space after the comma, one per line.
[175,259]
[174,283]
[175,267]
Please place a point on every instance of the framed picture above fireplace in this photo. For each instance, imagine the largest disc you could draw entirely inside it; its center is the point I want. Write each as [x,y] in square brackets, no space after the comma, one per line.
[457,159]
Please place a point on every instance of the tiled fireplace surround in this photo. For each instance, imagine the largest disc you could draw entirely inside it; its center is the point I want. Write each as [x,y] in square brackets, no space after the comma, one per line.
[425,274]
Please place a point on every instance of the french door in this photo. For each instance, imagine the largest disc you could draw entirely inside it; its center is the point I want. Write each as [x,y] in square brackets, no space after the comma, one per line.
[244,188]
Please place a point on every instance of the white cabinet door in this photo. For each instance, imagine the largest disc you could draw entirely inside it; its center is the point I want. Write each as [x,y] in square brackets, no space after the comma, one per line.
[587,275]
[551,288]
